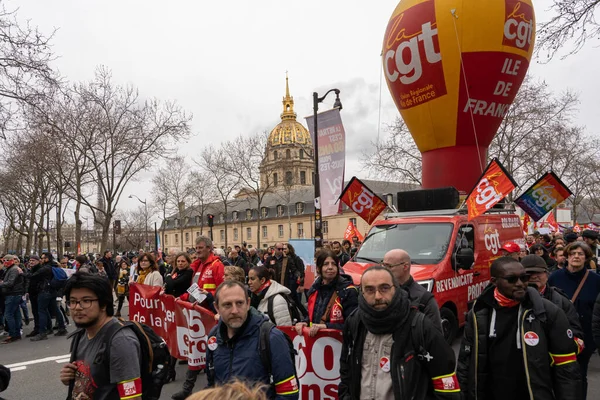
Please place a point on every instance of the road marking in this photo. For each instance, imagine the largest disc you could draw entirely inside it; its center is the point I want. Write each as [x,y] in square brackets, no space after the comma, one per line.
[18,369]
[38,361]
[63,360]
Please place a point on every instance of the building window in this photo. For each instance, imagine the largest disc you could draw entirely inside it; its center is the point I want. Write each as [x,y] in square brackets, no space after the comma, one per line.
[222,234]
[300,230]
[280,210]
[390,199]
[176,223]
[221,217]
[325,227]
[249,233]
[301,153]
[187,237]
[235,234]
[187,221]
[299,208]
[303,177]
[248,214]
[288,154]
[198,234]
[198,219]
[235,215]
[166,240]
[275,180]
[280,230]
[264,232]
[353,220]
[176,238]
[289,178]
[275,155]
[264,212]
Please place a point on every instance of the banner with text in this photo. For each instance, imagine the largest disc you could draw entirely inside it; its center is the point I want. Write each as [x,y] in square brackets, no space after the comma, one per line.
[362,200]
[184,326]
[545,194]
[494,185]
[331,139]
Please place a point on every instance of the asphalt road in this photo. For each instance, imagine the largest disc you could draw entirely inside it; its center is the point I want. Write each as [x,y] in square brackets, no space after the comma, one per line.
[36,368]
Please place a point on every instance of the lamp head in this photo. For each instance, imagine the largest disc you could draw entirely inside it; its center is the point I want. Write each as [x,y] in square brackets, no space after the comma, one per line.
[338,103]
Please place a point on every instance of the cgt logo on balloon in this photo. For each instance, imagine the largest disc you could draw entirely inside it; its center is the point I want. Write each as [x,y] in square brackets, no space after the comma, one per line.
[409,45]
[518,28]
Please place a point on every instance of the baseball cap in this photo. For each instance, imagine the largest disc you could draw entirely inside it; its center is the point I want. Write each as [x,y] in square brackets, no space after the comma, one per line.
[533,263]
[511,247]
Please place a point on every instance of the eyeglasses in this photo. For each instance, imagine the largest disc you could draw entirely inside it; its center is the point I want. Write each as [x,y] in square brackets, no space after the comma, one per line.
[386,265]
[383,289]
[512,279]
[279,248]
[84,303]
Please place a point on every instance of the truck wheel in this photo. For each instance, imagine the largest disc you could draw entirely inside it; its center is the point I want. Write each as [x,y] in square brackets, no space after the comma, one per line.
[449,324]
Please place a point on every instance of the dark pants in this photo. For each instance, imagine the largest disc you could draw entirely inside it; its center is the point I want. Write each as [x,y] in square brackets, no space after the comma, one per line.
[584,359]
[121,300]
[12,314]
[33,299]
[190,380]
[47,302]
[23,305]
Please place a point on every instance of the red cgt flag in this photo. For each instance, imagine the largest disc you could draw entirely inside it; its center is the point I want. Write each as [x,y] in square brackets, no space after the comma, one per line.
[552,222]
[526,221]
[495,184]
[362,200]
[351,231]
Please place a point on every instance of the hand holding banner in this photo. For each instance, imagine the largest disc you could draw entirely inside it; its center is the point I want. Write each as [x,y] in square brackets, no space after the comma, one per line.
[362,200]
[494,185]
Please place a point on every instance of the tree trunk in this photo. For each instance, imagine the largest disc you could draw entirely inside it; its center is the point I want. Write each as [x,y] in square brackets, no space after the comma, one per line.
[78,222]
[20,245]
[105,234]
[48,231]
[30,229]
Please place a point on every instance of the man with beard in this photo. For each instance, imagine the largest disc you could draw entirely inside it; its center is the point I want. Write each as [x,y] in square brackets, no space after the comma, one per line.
[286,270]
[234,346]
[516,344]
[383,358]
[91,302]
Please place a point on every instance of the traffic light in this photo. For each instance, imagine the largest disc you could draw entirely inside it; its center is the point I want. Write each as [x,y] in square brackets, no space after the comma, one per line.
[117,227]
[211,220]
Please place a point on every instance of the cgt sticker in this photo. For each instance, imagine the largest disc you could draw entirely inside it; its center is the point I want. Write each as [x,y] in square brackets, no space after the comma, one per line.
[531,338]
[212,343]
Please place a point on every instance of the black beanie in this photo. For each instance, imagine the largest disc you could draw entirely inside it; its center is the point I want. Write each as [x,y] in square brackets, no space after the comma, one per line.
[4,377]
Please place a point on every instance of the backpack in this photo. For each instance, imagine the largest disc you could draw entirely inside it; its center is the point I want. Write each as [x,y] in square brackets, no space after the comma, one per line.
[59,278]
[155,357]
[297,310]
[264,348]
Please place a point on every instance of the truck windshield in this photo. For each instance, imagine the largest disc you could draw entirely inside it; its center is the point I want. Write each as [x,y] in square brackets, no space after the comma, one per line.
[426,243]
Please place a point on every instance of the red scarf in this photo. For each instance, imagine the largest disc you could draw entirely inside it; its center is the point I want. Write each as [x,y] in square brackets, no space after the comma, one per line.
[504,301]
[263,287]
[543,290]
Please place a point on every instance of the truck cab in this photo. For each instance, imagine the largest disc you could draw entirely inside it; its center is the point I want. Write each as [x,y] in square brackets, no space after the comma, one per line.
[451,256]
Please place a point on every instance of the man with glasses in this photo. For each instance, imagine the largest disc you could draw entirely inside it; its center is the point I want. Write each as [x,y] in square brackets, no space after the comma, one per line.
[13,288]
[89,374]
[398,262]
[517,345]
[582,287]
[390,350]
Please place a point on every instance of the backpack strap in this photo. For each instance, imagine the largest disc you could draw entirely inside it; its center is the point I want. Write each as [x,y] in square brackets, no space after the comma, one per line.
[270,308]
[417,334]
[325,315]
[264,347]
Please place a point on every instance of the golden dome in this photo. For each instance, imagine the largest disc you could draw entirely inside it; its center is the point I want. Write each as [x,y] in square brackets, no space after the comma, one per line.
[289,131]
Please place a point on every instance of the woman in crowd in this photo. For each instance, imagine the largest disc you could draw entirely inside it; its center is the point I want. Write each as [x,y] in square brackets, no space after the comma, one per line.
[289,251]
[263,288]
[540,250]
[122,285]
[347,245]
[148,273]
[176,284]
[331,298]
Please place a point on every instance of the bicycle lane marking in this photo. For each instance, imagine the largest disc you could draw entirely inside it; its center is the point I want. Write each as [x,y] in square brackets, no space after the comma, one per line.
[20,366]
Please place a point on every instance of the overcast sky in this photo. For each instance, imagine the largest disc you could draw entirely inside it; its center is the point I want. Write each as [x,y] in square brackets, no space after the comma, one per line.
[225,61]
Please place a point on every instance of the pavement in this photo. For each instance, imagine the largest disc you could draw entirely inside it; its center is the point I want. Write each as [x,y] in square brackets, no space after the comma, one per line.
[36,367]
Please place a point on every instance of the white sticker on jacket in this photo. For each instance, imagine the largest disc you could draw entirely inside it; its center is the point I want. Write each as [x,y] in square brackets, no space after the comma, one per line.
[531,338]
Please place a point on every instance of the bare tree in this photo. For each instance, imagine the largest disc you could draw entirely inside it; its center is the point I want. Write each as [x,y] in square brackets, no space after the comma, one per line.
[572,25]
[203,194]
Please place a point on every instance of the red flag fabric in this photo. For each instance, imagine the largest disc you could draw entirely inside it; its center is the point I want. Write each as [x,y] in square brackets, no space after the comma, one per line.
[576,228]
[362,200]
[552,222]
[351,231]
[526,221]
[495,184]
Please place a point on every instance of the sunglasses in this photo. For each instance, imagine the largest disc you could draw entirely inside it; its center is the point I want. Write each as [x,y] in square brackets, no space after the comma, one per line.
[279,248]
[512,279]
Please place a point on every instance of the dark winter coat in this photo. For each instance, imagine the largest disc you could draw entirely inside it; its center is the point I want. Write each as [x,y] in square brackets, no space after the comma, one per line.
[14,282]
[558,297]
[39,281]
[178,282]
[422,299]
[320,294]
[596,321]
[550,362]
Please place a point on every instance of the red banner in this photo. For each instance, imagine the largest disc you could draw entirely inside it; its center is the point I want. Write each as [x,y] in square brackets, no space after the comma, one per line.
[351,231]
[362,200]
[183,326]
[495,184]
[317,362]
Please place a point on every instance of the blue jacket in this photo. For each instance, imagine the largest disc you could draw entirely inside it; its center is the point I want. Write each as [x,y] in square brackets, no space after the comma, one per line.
[584,304]
[238,357]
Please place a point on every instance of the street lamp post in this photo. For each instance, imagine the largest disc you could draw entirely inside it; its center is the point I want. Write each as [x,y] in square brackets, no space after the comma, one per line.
[146,219]
[338,104]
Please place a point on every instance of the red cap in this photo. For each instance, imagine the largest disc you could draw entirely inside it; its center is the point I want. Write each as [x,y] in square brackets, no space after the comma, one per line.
[511,247]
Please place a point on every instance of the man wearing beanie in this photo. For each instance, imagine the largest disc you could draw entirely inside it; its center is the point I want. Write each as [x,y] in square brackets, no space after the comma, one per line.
[516,344]
[392,351]
[536,268]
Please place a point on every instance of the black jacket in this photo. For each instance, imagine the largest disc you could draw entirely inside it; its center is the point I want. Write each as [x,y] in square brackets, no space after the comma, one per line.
[239,262]
[14,282]
[178,282]
[422,299]
[319,295]
[596,321]
[109,267]
[291,270]
[412,374]
[558,297]
[39,281]
[550,363]
[344,258]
